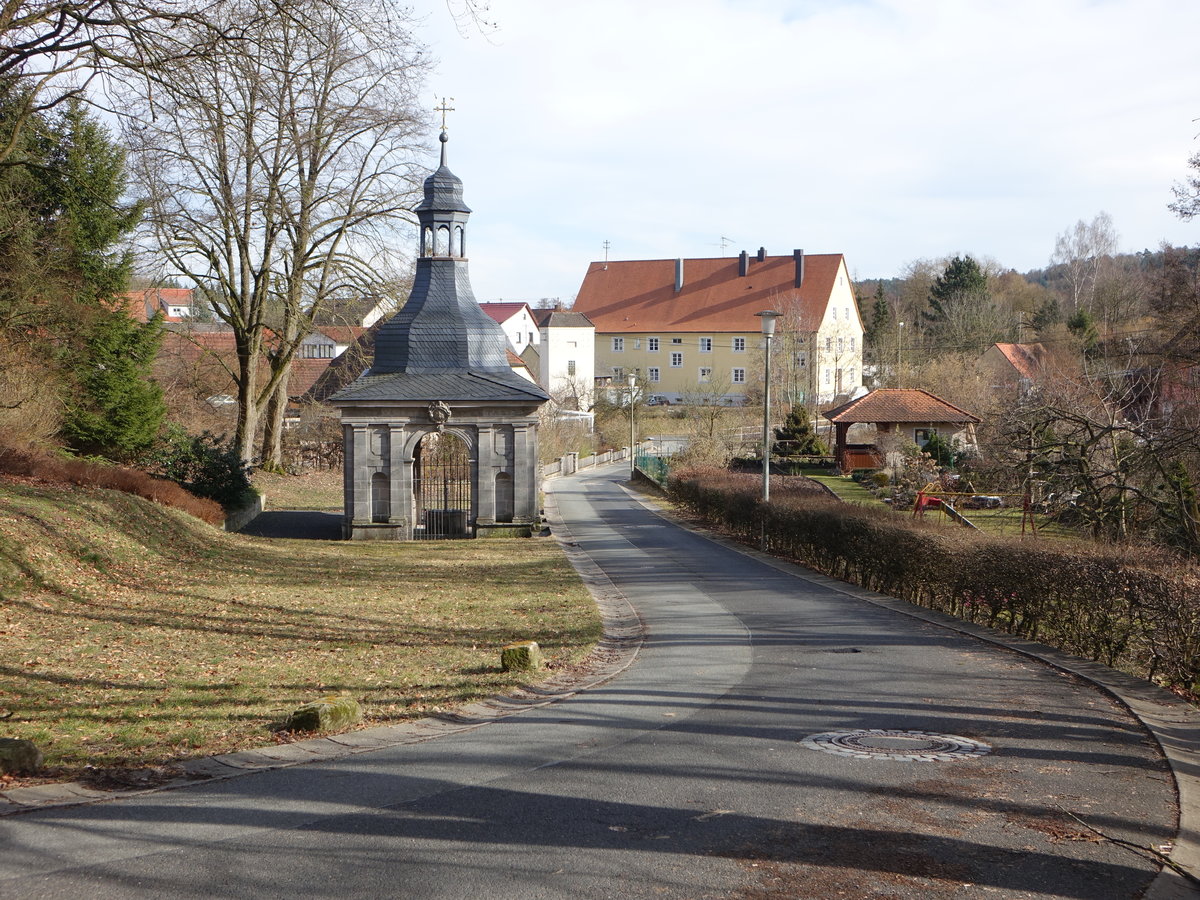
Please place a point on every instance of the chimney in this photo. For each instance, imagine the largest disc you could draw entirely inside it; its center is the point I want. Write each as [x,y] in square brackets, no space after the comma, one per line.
[678,275]
[798,255]
[762,254]
[743,264]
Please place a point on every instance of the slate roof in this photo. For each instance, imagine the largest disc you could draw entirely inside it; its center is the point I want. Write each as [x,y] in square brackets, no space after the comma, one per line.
[637,296]
[441,345]
[561,318]
[452,386]
[899,405]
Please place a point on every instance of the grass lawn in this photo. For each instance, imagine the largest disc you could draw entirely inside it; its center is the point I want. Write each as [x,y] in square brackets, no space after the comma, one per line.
[846,488]
[135,635]
[312,490]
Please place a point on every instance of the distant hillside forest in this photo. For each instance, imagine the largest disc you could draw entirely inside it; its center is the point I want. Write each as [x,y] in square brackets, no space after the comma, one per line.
[1093,306]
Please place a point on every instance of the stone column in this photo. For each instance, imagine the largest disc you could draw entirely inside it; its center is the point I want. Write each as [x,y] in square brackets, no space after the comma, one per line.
[361,475]
[485,455]
[400,473]
[525,480]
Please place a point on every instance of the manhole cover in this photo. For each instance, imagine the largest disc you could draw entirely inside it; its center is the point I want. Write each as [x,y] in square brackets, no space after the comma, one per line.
[883,743]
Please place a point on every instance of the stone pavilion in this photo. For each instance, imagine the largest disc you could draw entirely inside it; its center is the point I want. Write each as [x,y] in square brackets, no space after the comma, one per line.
[440,433]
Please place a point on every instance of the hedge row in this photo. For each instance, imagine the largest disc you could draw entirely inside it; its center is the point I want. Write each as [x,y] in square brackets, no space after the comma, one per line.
[46,467]
[1132,608]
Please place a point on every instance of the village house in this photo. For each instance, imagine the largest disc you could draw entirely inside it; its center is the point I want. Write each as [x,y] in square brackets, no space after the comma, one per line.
[688,327]
[903,415]
[520,329]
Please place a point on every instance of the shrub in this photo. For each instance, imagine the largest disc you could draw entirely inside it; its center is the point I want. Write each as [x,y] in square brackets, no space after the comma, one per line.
[43,466]
[1131,608]
[206,465]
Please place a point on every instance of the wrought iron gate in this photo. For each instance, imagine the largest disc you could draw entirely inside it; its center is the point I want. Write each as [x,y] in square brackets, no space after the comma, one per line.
[442,488]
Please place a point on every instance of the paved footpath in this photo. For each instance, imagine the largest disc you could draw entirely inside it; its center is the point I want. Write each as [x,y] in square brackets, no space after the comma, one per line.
[776,735]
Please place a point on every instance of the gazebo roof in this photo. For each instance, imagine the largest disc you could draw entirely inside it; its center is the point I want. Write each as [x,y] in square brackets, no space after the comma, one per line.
[899,405]
[441,345]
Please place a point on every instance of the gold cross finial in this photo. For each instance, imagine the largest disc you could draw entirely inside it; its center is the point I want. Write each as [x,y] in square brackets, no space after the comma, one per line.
[443,109]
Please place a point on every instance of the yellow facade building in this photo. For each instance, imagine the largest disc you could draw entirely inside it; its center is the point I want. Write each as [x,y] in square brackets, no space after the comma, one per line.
[687,327]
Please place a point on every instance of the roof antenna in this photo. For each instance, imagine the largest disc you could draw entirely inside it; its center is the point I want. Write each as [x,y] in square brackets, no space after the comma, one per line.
[606,246]
[725,242]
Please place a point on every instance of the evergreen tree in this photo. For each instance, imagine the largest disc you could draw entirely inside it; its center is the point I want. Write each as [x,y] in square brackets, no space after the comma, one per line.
[84,180]
[119,409]
[62,272]
[961,314]
[1083,326]
[796,435]
[881,317]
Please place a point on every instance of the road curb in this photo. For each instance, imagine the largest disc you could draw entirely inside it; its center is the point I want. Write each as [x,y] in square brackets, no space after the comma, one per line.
[613,654]
[1173,723]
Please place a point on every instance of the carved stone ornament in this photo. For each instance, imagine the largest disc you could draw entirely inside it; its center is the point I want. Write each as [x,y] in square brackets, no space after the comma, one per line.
[439,413]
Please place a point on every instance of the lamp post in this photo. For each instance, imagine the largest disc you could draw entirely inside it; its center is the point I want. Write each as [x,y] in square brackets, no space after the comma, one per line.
[631,380]
[768,317]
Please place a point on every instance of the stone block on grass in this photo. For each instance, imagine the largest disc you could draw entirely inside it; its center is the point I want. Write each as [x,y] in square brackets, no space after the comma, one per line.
[521,656]
[19,757]
[332,713]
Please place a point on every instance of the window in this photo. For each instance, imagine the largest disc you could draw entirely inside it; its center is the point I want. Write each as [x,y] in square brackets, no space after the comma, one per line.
[652,344]
[739,345]
[530,341]
[637,343]
[706,345]
[828,377]
[739,376]
[517,339]
[921,436]
[618,373]
[851,373]
[676,340]
[316,351]
[676,360]
[571,368]
[618,345]
[835,314]
[801,359]
[851,345]
[653,374]
[841,346]
[705,374]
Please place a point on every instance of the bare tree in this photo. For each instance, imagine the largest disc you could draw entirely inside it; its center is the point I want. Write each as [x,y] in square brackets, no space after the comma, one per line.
[1082,250]
[274,170]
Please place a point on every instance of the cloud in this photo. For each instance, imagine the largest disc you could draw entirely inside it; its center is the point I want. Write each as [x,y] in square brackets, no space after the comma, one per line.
[888,131]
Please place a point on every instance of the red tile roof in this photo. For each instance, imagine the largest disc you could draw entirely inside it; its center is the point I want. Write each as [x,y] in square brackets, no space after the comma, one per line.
[144,304]
[502,312]
[1028,359]
[899,405]
[639,295]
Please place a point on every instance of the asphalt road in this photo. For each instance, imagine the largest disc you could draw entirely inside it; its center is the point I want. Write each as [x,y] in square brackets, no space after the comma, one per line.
[686,776]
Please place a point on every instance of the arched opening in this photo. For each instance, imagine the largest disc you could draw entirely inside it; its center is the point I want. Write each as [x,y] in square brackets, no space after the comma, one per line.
[505,503]
[381,497]
[442,487]
[427,241]
[460,241]
[443,241]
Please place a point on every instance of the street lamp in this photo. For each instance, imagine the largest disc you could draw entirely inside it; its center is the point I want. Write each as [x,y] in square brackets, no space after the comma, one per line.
[631,380]
[768,317]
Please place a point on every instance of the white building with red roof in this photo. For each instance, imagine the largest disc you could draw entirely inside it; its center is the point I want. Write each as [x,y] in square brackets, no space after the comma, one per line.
[518,323]
[688,327]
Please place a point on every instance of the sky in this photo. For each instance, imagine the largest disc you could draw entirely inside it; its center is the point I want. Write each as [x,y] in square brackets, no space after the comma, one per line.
[886,130]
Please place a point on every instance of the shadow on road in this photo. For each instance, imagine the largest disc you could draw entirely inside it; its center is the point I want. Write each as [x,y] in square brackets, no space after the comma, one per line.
[305,525]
